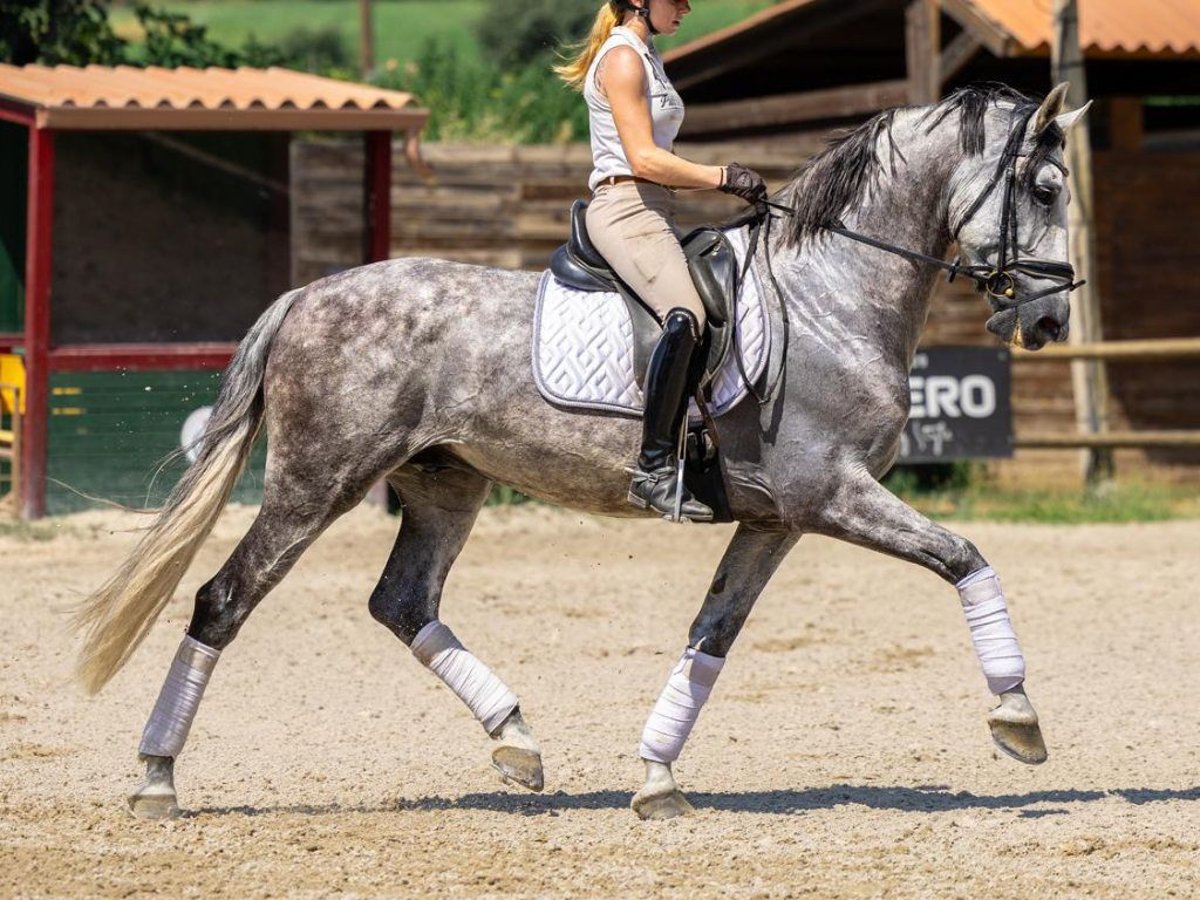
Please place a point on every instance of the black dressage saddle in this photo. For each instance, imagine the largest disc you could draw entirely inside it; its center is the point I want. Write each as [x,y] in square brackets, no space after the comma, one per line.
[714,270]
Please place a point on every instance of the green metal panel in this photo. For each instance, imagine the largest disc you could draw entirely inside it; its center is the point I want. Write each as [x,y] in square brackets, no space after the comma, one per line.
[109,433]
[14,187]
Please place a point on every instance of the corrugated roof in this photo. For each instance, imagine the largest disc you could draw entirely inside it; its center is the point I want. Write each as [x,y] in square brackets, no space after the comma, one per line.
[1106,27]
[1111,28]
[103,97]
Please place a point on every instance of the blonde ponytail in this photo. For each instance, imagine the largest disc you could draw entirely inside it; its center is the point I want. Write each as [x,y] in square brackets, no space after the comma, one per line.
[574,71]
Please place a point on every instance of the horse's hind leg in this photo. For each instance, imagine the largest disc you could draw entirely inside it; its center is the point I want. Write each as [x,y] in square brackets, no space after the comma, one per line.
[288,522]
[864,512]
[749,561]
[439,508]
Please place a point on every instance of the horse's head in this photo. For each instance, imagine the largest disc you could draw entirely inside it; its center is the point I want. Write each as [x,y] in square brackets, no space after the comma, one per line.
[1008,212]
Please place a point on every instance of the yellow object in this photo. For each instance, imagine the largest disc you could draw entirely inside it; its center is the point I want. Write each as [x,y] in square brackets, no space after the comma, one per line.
[12,382]
[12,406]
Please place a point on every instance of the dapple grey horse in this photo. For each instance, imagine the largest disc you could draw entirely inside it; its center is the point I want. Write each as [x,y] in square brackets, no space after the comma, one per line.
[418,371]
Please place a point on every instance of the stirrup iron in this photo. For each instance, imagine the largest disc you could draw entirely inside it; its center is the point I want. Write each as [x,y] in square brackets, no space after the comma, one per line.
[677,516]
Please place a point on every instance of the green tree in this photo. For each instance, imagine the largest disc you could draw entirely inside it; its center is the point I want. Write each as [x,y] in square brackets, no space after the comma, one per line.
[173,40]
[78,33]
[58,32]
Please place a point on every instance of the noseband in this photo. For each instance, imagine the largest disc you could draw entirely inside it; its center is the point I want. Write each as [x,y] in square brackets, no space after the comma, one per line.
[998,281]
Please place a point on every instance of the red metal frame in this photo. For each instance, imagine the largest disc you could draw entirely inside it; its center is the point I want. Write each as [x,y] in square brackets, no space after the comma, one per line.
[38,268]
[140,357]
[377,196]
[41,359]
[15,112]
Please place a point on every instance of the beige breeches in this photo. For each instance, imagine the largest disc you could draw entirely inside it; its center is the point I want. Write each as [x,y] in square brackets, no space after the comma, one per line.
[631,225]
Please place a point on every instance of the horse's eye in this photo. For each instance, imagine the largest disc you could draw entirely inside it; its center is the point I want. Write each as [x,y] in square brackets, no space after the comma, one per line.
[1045,195]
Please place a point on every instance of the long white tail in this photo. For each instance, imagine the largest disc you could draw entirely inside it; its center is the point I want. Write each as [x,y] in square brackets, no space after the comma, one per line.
[117,617]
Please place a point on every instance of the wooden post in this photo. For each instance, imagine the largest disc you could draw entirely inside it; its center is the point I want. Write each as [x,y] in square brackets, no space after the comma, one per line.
[366,39]
[38,269]
[1089,378]
[923,50]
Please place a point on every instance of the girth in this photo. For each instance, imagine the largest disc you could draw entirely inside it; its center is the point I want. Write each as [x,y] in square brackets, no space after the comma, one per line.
[713,267]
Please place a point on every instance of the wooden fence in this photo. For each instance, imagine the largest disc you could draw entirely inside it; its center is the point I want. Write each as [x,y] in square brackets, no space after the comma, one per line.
[1148,351]
[501,206]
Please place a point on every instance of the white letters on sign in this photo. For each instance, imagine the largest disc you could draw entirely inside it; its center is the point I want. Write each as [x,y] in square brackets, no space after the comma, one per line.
[950,397]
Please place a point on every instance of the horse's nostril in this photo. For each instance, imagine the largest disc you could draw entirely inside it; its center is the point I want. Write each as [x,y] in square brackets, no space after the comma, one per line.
[1049,328]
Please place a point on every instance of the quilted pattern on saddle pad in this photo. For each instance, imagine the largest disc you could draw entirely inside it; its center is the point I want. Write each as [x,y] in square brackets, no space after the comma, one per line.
[583,346]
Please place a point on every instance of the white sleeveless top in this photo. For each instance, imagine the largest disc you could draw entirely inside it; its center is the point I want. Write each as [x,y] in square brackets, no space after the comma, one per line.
[666,108]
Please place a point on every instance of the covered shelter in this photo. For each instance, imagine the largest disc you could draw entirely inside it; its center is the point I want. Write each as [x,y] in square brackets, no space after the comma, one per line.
[790,75]
[805,63]
[146,221]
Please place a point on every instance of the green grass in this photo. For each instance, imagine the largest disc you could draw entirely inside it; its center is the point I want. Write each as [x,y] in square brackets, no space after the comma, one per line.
[401,26]
[1113,503]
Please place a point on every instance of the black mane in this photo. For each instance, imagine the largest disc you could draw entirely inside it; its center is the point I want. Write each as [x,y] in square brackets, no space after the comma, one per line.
[836,178]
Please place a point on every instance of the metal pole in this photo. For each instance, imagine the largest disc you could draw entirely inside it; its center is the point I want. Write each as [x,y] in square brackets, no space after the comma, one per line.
[38,270]
[377,196]
[377,239]
[1089,378]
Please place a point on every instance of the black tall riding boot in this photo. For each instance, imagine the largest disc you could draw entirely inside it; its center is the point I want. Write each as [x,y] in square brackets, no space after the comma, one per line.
[667,383]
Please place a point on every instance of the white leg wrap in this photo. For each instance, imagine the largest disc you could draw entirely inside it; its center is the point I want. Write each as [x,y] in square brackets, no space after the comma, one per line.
[472,682]
[179,699]
[679,705]
[991,630]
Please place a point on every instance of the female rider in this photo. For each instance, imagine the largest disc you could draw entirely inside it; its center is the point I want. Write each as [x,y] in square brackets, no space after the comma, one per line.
[634,116]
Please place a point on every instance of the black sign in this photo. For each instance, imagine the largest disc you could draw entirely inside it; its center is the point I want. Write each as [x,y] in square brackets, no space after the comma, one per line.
[960,405]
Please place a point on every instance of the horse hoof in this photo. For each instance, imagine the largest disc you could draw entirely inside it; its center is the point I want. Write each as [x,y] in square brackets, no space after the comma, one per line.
[654,806]
[154,805]
[1015,729]
[1023,742]
[520,767]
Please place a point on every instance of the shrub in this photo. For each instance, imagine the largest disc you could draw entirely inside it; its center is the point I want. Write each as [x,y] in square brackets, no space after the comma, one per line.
[321,51]
[513,42]
[482,102]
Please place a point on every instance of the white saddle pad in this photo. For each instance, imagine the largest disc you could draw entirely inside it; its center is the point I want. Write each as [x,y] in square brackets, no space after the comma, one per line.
[583,346]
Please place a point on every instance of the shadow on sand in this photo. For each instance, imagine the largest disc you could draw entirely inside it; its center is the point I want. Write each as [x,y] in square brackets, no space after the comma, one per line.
[923,798]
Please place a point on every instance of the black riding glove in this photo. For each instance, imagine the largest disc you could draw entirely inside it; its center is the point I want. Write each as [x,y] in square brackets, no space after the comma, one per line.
[745,183]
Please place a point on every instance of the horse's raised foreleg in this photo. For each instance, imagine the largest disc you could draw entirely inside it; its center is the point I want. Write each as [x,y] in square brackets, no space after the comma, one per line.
[866,513]
[280,533]
[439,509]
[749,562]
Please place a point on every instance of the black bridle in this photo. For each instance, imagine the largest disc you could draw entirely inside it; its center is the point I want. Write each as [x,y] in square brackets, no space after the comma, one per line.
[998,281]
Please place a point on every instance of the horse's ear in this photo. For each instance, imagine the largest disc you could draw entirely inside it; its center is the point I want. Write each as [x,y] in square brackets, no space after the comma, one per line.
[1068,120]
[1051,107]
